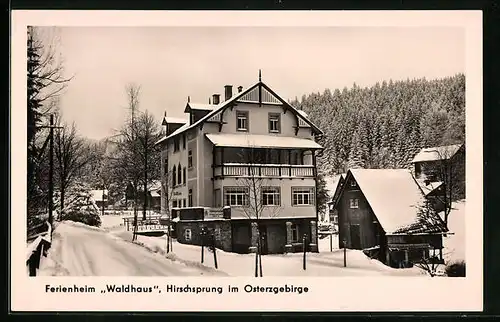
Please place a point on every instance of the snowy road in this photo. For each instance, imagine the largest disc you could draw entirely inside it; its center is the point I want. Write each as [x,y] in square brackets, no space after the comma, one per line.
[83,251]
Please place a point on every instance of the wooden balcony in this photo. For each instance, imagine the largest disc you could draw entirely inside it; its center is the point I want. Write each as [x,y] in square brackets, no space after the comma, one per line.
[264,170]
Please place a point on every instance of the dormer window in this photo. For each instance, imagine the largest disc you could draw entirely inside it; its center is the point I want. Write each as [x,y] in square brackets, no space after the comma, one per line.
[242,121]
[353,183]
[274,123]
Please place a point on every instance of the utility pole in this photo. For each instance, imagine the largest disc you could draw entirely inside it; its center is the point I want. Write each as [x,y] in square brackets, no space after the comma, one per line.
[51,169]
[51,128]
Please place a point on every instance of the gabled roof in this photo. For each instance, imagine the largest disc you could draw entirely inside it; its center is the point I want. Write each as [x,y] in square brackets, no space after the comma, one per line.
[437,153]
[234,98]
[175,120]
[396,201]
[199,106]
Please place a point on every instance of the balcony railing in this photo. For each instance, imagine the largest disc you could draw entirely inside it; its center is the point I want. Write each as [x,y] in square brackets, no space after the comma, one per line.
[264,170]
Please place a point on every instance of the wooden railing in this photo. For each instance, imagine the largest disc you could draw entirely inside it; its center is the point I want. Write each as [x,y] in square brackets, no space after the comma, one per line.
[37,249]
[269,170]
[151,223]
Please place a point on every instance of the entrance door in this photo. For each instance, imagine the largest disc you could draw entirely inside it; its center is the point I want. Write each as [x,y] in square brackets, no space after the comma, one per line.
[241,237]
[355,237]
[263,239]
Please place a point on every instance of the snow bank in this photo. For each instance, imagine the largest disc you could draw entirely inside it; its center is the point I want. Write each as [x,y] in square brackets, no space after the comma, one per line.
[325,263]
[79,224]
[51,265]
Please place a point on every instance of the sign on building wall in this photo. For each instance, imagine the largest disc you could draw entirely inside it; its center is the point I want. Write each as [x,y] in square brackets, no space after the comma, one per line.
[213,214]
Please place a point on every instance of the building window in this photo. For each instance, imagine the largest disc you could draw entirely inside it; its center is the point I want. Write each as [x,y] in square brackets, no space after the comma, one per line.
[184,175]
[190,159]
[353,183]
[295,233]
[190,198]
[242,121]
[353,203]
[174,176]
[184,203]
[270,196]
[296,157]
[274,122]
[174,203]
[302,196]
[165,167]
[187,234]
[179,174]
[176,144]
[184,142]
[236,196]
[191,118]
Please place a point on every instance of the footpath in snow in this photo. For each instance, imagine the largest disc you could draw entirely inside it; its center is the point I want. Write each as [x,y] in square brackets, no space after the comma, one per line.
[80,250]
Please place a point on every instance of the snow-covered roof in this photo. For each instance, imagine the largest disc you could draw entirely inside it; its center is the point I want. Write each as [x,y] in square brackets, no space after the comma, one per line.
[429,187]
[436,153]
[206,107]
[244,140]
[179,130]
[96,195]
[221,105]
[175,120]
[304,114]
[396,200]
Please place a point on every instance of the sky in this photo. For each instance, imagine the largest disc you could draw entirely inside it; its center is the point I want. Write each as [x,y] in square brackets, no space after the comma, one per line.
[172,63]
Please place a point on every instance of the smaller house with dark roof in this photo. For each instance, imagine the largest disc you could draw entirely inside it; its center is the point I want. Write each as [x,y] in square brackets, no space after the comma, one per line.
[384,213]
[440,173]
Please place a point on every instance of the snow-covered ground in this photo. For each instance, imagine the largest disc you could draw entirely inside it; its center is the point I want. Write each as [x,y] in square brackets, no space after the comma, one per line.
[80,250]
[454,245]
[324,263]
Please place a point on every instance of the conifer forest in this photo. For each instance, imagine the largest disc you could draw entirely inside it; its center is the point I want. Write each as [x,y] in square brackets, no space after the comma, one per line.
[385,125]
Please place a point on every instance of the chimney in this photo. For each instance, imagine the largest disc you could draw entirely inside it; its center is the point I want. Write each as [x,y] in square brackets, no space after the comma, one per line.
[216,99]
[240,88]
[228,90]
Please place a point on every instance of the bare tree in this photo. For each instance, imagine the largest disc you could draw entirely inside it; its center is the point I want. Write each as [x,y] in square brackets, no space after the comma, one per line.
[429,265]
[450,174]
[429,220]
[45,81]
[260,200]
[168,193]
[137,161]
[72,153]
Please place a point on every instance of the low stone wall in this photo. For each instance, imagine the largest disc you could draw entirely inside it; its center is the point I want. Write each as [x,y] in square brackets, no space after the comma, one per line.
[189,232]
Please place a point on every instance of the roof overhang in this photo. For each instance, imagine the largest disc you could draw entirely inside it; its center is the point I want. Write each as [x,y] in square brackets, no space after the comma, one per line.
[261,141]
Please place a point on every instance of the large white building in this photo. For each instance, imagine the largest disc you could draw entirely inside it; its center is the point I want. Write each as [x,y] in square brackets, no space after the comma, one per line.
[251,151]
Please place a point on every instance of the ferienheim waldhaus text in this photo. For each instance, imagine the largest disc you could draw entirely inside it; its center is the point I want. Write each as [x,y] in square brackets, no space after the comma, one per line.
[171,288]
